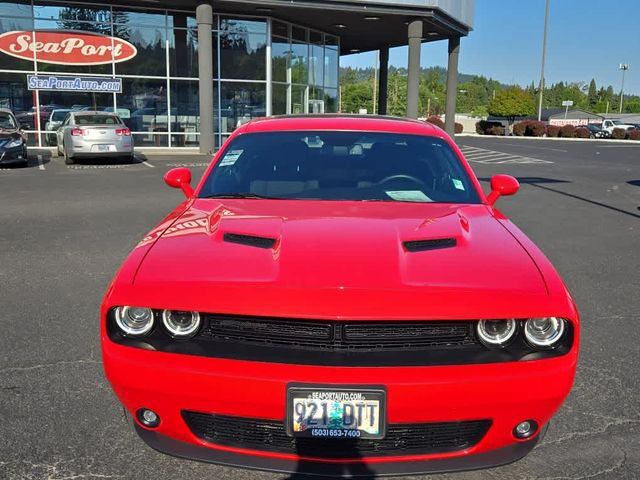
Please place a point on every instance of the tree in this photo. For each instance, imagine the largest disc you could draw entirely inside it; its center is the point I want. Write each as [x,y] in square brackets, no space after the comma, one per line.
[510,103]
[592,95]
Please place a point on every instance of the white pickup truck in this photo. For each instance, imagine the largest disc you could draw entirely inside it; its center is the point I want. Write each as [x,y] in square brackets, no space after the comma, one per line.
[610,124]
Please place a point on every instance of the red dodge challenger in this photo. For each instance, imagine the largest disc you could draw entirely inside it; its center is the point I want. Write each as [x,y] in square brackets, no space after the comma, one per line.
[337,296]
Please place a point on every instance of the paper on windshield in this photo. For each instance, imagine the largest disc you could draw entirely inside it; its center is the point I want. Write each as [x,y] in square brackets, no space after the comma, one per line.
[408,196]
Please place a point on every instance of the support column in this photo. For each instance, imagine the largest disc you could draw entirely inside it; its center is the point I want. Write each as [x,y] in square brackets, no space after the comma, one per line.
[204,18]
[384,79]
[413,81]
[452,86]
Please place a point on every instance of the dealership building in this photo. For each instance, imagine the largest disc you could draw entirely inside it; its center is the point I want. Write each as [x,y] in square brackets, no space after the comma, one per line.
[187,73]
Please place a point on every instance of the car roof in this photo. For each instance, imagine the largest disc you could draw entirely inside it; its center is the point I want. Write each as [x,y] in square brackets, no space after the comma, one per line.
[377,123]
[92,112]
[6,110]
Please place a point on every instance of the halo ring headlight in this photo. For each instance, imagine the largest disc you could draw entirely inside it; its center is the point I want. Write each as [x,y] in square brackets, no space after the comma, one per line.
[134,321]
[496,333]
[181,324]
[544,332]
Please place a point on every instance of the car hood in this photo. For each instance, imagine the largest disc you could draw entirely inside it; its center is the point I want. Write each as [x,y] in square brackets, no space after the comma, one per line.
[7,136]
[261,249]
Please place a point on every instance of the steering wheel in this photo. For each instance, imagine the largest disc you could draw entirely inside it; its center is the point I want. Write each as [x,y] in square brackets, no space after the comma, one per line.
[402,177]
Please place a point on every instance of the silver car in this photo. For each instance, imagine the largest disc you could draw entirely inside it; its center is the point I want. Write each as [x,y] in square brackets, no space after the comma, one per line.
[94,135]
[55,120]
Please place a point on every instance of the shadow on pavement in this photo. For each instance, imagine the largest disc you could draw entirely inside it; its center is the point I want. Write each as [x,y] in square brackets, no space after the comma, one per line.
[538,181]
[350,450]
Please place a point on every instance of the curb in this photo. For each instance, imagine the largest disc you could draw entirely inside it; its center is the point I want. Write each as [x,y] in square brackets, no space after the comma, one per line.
[551,139]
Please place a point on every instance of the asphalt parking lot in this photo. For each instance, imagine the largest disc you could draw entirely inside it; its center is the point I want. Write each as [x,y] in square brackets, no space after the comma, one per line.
[64,230]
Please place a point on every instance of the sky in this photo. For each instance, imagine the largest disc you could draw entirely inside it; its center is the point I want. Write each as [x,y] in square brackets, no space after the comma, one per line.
[587,39]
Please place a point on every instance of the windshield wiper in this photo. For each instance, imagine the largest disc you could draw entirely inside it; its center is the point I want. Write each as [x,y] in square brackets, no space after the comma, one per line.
[242,195]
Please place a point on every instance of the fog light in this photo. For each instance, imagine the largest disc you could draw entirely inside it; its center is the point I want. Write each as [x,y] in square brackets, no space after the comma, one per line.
[148,418]
[525,429]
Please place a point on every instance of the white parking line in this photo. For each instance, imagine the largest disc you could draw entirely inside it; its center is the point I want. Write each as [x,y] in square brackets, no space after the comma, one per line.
[148,164]
[40,164]
[482,155]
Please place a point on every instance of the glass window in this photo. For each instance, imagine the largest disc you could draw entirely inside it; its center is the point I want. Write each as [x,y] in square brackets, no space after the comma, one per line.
[183,53]
[9,62]
[7,121]
[243,45]
[101,29]
[52,100]
[298,99]
[342,166]
[331,40]
[281,51]
[129,17]
[280,29]
[331,62]
[299,34]
[279,99]
[299,63]
[241,101]
[21,8]
[316,100]
[70,16]
[185,106]
[331,100]
[151,58]
[315,37]
[146,100]
[183,20]
[316,65]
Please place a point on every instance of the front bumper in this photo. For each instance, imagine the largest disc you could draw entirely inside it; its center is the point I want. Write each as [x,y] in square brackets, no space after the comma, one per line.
[505,393]
[12,155]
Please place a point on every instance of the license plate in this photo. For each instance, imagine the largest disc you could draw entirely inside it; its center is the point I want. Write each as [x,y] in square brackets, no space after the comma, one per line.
[105,148]
[340,412]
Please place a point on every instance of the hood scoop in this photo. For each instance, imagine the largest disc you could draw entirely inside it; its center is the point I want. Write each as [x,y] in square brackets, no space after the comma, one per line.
[249,240]
[429,244]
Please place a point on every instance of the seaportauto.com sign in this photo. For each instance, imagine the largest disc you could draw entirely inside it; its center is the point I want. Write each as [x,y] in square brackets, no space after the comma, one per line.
[66,47]
[74,84]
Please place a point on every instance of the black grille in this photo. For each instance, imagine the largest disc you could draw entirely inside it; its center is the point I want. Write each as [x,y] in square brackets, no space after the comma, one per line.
[401,439]
[429,244]
[338,336]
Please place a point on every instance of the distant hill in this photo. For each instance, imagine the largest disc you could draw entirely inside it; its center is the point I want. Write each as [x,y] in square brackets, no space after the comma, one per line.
[363,74]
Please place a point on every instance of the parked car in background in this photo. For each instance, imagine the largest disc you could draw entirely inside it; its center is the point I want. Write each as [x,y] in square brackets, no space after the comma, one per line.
[55,120]
[612,123]
[93,134]
[13,148]
[595,130]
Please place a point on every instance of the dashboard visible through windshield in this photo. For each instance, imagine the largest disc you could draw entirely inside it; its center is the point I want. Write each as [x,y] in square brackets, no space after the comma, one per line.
[337,165]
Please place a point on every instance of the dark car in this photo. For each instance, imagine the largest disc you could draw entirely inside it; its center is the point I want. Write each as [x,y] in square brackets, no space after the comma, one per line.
[13,149]
[596,131]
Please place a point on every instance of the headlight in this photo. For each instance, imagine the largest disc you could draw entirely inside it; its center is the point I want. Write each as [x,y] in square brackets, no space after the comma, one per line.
[14,143]
[544,332]
[181,324]
[496,333]
[134,321]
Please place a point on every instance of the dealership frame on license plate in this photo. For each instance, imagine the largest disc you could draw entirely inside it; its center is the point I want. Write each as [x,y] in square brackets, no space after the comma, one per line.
[340,412]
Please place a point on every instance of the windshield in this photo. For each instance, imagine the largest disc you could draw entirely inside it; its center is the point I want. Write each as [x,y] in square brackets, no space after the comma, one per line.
[7,121]
[59,115]
[617,122]
[97,120]
[329,165]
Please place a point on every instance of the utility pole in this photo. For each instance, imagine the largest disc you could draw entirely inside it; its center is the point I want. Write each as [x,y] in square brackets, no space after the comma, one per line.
[544,55]
[624,67]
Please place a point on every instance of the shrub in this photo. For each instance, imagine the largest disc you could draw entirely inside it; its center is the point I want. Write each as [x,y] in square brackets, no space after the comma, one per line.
[535,129]
[520,128]
[568,131]
[582,132]
[481,127]
[436,121]
[634,134]
[619,133]
[496,130]
[553,131]
[459,128]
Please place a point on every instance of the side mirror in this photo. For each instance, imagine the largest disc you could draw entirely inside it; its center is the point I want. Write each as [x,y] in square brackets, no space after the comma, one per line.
[180,178]
[502,185]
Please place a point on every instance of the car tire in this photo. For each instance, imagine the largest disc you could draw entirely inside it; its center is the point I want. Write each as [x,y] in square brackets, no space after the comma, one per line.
[67,159]
[58,151]
[25,157]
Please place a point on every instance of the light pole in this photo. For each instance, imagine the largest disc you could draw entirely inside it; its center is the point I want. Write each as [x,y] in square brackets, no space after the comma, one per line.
[544,54]
[624,67]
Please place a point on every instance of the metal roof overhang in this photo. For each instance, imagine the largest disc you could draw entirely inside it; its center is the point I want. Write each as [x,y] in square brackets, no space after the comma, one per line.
[358,34]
